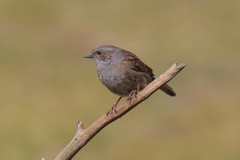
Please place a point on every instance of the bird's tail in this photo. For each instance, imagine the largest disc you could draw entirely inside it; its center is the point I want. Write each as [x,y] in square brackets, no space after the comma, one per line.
[168,90]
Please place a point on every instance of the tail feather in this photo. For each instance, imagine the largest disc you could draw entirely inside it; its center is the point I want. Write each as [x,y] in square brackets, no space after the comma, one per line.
[168,90]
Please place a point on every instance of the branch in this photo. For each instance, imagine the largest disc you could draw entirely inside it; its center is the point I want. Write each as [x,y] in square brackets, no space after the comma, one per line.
[83,136]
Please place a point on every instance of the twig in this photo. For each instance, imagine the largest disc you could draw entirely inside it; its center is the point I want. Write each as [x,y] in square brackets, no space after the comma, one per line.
[83,136]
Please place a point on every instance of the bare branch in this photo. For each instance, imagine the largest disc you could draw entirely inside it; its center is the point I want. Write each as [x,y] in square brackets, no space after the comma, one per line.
[83,136]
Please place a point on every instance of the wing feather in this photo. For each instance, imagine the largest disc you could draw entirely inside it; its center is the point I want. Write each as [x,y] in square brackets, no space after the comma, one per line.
[137,64]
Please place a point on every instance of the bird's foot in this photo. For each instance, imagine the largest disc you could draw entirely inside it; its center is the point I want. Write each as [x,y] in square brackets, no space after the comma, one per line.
[131,95]
[112,109]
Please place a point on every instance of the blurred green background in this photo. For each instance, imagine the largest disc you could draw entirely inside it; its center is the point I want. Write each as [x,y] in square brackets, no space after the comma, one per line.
[46,85]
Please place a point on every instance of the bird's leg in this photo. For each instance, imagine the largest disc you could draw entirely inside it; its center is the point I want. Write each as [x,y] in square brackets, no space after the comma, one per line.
[131,95]
[114,107]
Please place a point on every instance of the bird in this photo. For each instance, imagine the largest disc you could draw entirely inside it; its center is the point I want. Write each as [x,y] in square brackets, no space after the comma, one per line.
[122,72]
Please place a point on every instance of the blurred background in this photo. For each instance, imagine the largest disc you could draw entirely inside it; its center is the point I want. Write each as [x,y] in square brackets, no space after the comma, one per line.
[46,85]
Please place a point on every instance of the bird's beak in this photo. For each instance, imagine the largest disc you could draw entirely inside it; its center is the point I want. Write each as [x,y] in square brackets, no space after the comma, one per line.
[88,56]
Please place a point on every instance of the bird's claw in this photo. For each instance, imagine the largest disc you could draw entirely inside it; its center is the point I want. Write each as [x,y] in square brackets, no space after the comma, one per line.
[131,95]
[112,109]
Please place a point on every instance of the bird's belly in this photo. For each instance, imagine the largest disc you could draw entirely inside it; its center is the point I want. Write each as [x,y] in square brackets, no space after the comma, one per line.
[119,82]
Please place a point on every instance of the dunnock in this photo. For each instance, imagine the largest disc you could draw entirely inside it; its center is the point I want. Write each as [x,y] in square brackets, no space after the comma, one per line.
[122,72]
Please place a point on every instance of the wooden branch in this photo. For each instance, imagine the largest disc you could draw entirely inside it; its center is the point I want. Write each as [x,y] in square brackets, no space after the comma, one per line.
[83,136]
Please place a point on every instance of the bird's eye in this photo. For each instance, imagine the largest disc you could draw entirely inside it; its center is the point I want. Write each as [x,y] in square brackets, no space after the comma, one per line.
[98,53]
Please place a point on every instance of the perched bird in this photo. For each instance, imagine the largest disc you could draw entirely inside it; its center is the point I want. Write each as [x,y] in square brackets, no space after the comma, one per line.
[122,72]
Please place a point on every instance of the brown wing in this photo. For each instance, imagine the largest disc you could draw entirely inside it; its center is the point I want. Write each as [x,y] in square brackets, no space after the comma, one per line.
[137,64]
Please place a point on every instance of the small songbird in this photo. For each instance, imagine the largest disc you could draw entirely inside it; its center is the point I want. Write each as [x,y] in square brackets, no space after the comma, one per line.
[122,72]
